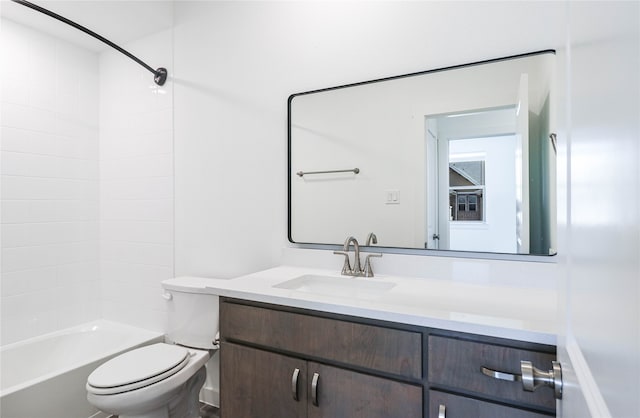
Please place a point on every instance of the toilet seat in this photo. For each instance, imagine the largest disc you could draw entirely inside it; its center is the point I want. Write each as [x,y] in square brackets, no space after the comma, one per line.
[138,368]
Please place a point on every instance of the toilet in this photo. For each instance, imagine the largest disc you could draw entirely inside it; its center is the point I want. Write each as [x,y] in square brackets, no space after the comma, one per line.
[163,380]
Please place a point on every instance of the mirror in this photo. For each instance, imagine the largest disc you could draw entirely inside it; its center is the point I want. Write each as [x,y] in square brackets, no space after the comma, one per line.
[458,159]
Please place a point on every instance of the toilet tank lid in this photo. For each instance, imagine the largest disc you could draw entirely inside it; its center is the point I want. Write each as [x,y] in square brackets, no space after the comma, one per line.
[189,284]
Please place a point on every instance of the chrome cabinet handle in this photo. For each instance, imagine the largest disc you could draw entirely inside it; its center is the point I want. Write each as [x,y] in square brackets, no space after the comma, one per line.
[533,378]
[294,383]
[500,375]
[314,389]
[442,411]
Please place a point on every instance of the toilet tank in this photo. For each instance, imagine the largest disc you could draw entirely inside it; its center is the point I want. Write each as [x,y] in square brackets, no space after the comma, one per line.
[192,314]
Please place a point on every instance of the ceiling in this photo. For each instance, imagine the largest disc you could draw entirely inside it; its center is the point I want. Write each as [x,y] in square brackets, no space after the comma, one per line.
[120,21]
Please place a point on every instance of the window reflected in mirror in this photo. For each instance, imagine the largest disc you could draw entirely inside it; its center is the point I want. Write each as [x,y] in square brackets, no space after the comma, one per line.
[466,190]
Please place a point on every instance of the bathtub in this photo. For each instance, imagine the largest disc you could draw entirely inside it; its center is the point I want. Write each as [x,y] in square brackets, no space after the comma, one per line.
[45,376]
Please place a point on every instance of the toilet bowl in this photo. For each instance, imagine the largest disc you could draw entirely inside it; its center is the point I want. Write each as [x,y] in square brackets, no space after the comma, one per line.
[162,380]
[152,381]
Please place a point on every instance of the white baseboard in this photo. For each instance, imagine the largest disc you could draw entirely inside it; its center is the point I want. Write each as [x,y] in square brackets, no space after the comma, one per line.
[210,396]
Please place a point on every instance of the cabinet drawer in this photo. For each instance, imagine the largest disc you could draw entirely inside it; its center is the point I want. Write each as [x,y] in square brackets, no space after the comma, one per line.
[456,364]
[453,406]
[372,347]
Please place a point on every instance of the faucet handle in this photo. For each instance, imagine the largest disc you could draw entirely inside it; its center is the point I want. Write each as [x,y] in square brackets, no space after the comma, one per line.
[368,271]
[371,238]
[346,267]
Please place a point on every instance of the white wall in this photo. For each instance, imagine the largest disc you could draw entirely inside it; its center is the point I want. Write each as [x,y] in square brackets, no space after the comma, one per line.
[87,183]
[136,183]
[230,142]
[49,195]
[236,65]
[600,247]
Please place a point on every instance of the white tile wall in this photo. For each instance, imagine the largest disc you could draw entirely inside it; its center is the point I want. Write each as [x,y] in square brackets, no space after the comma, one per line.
[49,196]
[136,183]
[87,184]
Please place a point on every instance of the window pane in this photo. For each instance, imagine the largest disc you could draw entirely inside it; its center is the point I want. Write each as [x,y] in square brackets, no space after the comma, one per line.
[462,203]
[466,173]
[466,204]
[473,203]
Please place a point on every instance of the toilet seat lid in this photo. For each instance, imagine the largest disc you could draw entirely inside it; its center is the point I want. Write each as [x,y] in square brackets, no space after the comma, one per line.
[140,367]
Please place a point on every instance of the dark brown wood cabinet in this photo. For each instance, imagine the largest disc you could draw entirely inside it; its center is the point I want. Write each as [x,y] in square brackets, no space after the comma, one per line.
[382,349]
[282,364]
[344,393]
[447,405]
[457,364]
[285,362]
[259,383]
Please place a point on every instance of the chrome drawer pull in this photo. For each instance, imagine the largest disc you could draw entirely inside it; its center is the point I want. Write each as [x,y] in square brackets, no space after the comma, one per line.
[442,411]
[294,384]
[501,375]
[314,389]
[533,378]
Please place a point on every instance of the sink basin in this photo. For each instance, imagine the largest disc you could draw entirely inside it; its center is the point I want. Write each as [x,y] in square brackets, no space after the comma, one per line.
[337,286]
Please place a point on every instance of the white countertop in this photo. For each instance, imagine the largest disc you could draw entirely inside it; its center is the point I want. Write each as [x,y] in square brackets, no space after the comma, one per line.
[498,310]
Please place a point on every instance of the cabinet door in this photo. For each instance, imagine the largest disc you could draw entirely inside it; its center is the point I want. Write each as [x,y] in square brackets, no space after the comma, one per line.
[446,405]
[257,383]
[343,393]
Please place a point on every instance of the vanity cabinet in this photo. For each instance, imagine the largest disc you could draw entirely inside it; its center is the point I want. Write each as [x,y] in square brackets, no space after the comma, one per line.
[284,362]
[259,383]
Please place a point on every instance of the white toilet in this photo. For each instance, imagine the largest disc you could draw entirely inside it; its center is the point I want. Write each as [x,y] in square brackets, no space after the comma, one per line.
[163,380]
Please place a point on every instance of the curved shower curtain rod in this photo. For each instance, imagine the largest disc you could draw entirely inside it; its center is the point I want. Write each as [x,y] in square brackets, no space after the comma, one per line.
[159,75]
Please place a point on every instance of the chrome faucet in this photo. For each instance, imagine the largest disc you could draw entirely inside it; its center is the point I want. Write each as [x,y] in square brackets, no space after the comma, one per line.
[357,270]
[346,267]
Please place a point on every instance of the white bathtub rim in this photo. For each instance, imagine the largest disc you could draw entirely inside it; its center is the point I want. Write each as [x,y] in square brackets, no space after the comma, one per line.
[145,336]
